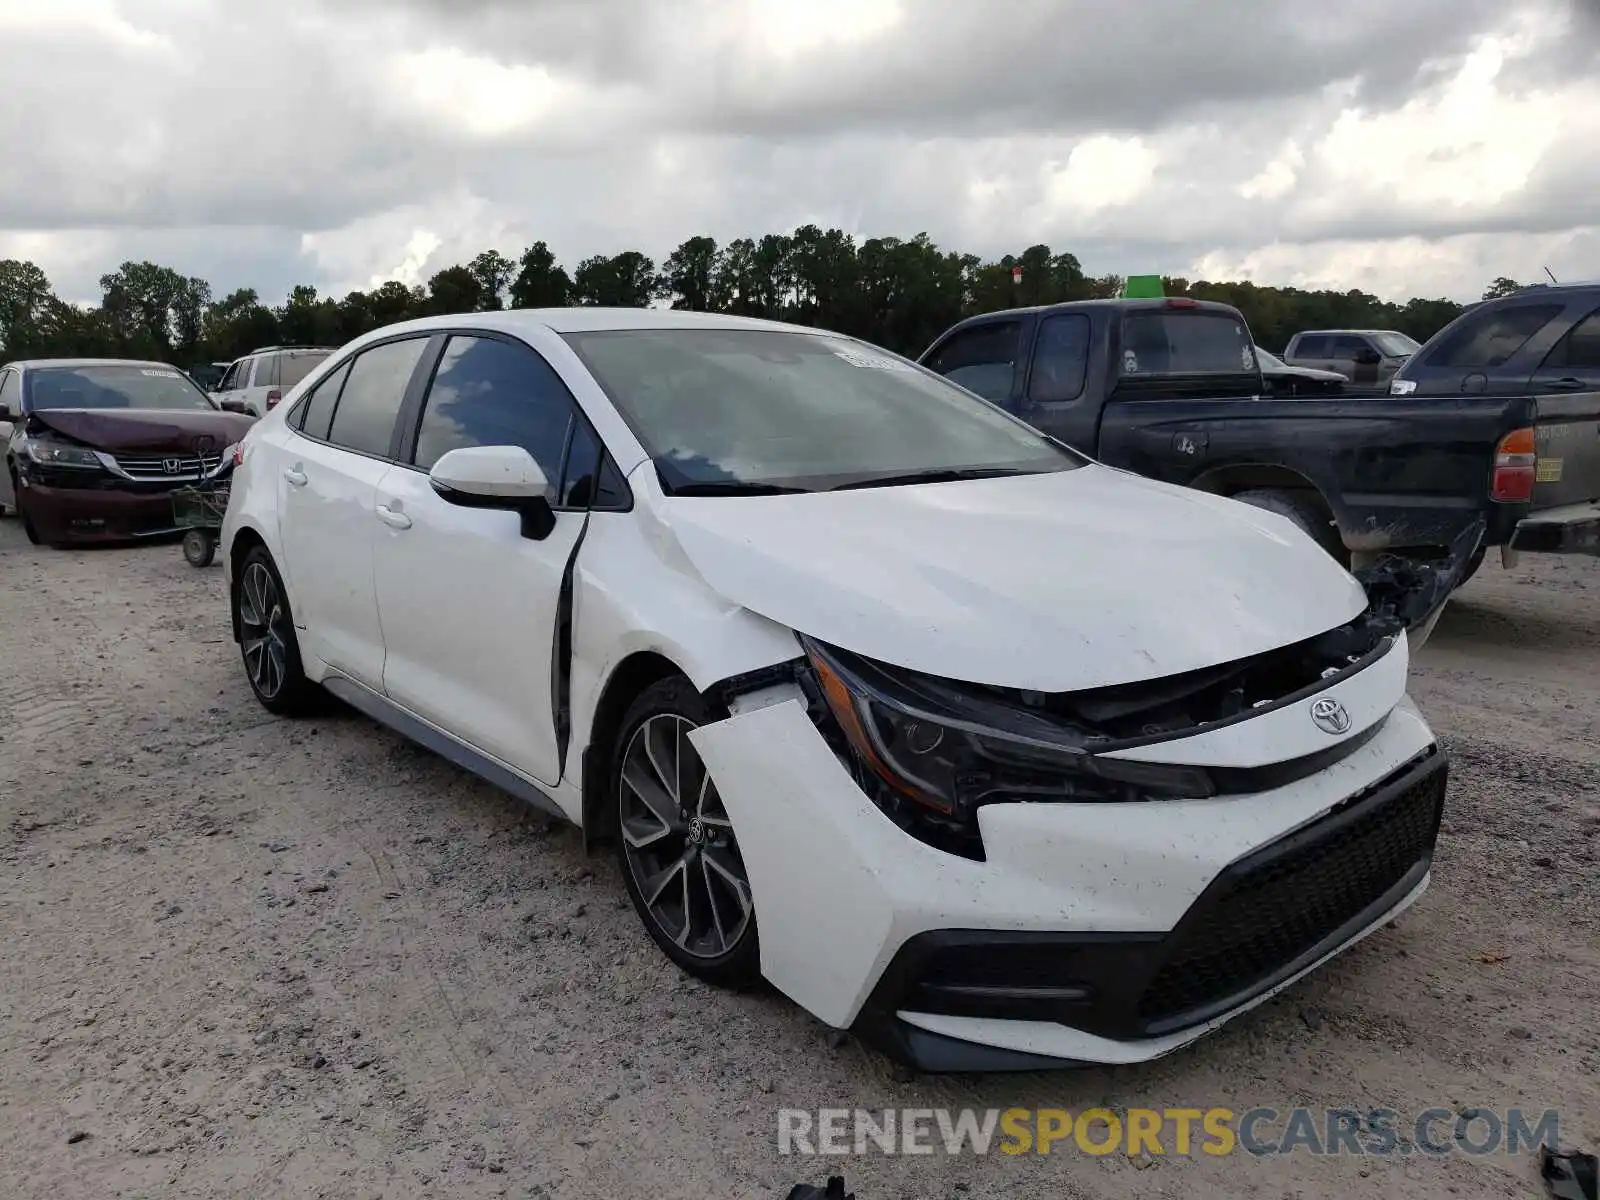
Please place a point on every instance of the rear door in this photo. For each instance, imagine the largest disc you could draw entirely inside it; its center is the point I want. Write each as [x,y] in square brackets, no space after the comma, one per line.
[328,519]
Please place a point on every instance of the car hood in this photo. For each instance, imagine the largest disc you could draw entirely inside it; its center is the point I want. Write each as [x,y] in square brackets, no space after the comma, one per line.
[154,430]
[1056,582]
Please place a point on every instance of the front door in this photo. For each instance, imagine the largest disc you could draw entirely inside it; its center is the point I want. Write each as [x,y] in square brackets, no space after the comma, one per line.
[328,517]
[468,604]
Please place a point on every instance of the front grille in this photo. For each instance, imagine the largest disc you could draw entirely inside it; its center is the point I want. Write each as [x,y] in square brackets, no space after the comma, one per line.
[161,467]
[1276,905]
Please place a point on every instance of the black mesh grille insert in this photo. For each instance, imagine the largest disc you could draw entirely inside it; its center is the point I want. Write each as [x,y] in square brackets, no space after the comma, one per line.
[1280,902]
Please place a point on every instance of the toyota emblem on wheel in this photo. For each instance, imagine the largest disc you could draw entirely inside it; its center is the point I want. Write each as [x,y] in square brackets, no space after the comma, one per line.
[1330,716]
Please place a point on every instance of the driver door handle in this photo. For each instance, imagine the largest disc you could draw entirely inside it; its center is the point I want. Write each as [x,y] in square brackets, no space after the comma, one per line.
[295,476]
[393,519]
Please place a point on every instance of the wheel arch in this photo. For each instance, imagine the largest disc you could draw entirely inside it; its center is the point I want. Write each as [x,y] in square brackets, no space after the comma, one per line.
[1234,478]
[245,539]
[627,680]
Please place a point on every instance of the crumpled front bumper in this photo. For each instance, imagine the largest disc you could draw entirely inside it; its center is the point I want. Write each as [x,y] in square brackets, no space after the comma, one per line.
[933,956]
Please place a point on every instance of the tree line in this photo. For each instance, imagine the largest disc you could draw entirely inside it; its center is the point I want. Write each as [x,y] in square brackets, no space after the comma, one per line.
[898,293]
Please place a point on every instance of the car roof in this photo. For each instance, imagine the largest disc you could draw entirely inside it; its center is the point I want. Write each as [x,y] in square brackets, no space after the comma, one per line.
[1322,332]
[589,320]
[34,364]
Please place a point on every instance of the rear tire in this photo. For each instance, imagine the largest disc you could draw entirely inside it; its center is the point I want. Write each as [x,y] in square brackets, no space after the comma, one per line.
[267,640]
[675,843]
[1304,514]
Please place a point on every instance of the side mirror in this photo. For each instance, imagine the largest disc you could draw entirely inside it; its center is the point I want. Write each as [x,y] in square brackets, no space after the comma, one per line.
[1368,357]
[5,413]
[234,406]
[503,477]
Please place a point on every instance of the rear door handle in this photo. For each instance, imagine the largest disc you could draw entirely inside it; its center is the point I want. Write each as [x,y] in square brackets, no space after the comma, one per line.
[393,519]
[295,476]
[1569,384]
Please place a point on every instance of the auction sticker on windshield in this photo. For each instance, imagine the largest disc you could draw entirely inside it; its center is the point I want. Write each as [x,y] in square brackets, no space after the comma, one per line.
[871,361]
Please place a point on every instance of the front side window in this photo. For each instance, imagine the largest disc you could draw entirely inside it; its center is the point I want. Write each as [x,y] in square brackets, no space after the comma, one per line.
[370,401]
[982,360]
[112,386]
[487,392]
[732,409]
[1350,348]
[9,390]
[233,377]
[1489,339]
[1060,359]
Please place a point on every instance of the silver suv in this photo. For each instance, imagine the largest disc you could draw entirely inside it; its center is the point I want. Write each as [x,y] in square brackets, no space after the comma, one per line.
[1360,355]
[258,381]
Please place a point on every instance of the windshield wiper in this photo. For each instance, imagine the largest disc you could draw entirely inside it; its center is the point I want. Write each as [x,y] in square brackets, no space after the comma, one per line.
[938,475]
[734,487]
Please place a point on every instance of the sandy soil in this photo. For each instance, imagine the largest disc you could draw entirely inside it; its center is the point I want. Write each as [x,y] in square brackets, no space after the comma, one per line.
[244,957]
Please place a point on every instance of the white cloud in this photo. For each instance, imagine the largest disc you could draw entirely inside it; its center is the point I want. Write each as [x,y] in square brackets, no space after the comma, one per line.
[1101,172]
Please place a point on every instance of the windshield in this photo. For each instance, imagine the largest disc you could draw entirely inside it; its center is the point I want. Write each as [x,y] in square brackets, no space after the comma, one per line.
[1159,342]
[114,386]
[1395,345]
[718,409]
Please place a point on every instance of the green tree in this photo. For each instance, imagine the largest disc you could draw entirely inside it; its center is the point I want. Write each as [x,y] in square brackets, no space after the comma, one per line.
[236,325]
[691,277]
[493,272]
[453,290]
[26,309]
[1501,287]
[541,282]
[626,280]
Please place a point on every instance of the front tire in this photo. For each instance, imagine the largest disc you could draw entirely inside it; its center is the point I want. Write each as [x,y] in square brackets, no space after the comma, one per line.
[28,527]
[675,842]
[267,640]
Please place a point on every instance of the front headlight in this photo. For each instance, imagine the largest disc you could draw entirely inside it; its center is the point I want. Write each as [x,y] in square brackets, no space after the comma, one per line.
[950,752]
[1402,387]
[48,453]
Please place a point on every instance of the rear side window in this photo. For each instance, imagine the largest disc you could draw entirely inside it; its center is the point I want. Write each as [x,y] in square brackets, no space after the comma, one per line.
[266,371]
[491,393]
[365,415]
[1185,343]
[982,360]
[1310,345]
[314,414]
[1489,339]
[1580,349]
[1060,359]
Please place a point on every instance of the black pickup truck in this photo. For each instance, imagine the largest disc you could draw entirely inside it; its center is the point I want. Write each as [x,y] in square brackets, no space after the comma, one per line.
[1172,389]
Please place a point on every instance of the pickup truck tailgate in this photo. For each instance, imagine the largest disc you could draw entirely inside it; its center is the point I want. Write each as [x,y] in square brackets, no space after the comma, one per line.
[1565,514]
[1568,442]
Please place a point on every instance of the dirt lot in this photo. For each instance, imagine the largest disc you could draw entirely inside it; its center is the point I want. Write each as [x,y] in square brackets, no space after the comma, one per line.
[243,957]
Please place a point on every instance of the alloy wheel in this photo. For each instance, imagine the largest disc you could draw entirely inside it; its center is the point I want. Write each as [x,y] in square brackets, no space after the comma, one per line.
[263,631]
[679,843]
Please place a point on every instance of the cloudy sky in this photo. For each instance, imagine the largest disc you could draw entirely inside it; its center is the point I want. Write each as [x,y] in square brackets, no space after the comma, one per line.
[1401,146]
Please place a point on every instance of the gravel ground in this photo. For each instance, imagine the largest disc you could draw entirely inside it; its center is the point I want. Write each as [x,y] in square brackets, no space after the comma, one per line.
[245,957]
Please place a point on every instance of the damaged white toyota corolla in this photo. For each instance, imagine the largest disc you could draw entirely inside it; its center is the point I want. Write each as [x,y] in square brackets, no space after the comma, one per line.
[1012,759]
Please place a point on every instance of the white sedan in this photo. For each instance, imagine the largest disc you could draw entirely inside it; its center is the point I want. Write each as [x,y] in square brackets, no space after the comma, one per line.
[999,757]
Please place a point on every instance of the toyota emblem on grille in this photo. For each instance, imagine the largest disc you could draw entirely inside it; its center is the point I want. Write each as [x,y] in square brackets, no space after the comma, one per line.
[172,465]
[1330,716]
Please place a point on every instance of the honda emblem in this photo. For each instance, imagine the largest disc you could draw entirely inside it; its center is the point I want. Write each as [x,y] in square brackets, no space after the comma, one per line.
[172,465]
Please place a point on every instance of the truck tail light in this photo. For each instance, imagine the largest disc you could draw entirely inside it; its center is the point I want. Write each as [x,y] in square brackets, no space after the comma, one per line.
[272,399]
[1515,461]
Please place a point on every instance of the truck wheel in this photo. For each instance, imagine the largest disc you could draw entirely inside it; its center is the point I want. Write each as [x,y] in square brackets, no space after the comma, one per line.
[1301,512]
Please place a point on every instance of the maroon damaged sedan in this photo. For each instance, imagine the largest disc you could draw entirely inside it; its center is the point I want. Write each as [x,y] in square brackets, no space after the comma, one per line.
[95,447]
